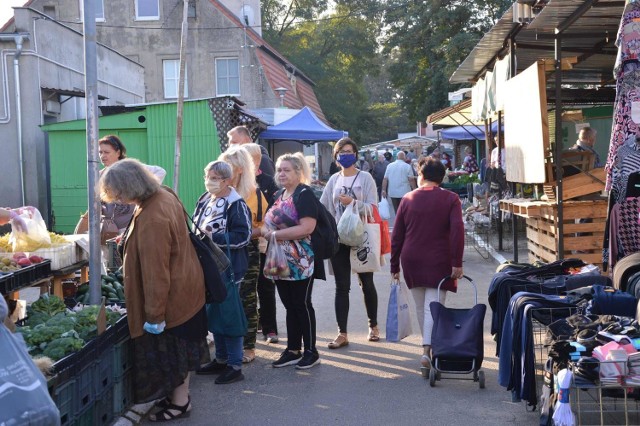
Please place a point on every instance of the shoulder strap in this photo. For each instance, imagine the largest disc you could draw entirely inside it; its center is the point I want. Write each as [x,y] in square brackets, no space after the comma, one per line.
[259,195]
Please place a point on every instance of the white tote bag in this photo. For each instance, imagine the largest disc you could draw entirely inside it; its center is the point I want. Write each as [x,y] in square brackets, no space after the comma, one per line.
[366,256]
[350,226]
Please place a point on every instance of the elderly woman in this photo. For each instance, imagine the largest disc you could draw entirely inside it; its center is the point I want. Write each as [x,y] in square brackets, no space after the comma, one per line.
[224,216]
[429,250]
[266,289]
[244,182]
[344,187]
[164,291]
[291,220]
[469,163]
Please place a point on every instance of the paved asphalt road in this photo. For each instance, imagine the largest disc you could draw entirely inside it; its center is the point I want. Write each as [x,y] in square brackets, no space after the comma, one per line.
[365,383]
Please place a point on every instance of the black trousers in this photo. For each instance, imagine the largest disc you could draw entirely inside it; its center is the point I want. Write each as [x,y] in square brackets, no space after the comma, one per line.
[267,300]
[396,203]
[301,317]
[341,264]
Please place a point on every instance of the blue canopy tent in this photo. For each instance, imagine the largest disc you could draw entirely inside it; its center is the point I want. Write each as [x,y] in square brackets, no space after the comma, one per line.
[465,133]
[304,126]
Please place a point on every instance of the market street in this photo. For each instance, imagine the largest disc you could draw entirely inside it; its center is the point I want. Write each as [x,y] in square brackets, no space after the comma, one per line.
[365,383]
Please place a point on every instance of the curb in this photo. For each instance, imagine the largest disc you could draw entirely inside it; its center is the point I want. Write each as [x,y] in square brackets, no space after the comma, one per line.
[134,415]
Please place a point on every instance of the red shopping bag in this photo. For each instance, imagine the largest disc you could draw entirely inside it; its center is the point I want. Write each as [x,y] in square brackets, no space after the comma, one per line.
[385,238]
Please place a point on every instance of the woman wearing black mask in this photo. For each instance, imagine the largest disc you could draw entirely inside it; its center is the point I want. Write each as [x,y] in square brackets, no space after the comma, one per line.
[343,188]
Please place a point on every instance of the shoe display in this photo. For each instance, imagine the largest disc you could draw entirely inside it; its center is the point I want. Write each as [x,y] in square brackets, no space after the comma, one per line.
[287,358]
[309,359]
[230,375]
[271,338]
[213,367]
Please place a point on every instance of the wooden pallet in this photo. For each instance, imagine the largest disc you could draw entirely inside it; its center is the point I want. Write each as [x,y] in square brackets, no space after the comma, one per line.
[581,240]
[577,185]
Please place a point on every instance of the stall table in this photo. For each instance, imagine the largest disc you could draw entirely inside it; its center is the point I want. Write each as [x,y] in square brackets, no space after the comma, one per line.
[69,272]
[582,228]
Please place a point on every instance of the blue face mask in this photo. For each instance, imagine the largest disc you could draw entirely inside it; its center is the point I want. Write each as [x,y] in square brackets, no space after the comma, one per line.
[347,160]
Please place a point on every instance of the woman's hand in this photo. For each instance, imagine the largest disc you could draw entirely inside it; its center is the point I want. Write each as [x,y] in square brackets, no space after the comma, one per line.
[345,199]
[395,276]
[456,273]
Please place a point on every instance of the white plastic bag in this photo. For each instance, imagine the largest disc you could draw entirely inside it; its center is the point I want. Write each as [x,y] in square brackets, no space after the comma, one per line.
[384,210]
[351,227]
[34,236]
[398,316]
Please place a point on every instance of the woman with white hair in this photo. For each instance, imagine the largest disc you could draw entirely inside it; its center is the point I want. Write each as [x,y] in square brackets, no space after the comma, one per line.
[243,180]
[224,216]
[164,292]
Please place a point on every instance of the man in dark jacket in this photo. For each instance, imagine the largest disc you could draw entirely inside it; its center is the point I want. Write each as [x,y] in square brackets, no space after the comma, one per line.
[240,135]
[378,172]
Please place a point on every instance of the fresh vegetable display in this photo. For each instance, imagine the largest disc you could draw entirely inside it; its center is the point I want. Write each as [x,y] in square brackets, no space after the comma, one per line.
[111,288]
[54,331]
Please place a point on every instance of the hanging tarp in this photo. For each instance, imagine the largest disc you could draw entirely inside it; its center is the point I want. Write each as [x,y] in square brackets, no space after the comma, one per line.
[304,126]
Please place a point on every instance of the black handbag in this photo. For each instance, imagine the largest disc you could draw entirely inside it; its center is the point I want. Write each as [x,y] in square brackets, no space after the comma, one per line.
[213,262]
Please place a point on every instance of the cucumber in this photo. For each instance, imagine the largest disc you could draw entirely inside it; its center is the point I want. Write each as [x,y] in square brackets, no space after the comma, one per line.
[120,293]
[108,279]
[117,285]
[106,287]
[83,289]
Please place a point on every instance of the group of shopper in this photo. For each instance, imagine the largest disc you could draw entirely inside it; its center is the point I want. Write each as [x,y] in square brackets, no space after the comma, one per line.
[241,210]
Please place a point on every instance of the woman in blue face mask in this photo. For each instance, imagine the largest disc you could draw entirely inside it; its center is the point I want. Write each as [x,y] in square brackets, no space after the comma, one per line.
[342,189]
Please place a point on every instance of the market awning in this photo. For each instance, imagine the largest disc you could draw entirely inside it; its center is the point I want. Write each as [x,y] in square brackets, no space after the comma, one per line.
[589,29]
[456,115]
[304,126]
[466,133]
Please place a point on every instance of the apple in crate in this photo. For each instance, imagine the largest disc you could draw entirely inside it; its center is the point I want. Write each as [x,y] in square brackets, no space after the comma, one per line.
[19,255]
[24,262]
[35,259]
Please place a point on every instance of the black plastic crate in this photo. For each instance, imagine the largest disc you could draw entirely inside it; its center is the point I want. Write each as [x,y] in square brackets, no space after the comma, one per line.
[69,366]
[63,394]
[123,392]
[122,357]
[42,269]
[6,283]
[23,277]
[104,412]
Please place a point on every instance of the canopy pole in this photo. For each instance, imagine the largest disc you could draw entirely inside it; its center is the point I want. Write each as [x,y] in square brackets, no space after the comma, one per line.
[558,145]
[514,218]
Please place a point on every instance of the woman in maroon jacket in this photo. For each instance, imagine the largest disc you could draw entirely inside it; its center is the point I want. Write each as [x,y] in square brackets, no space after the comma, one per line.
[428,238]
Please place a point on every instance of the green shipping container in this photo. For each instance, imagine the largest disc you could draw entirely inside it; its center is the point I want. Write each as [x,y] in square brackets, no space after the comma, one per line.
[149,135]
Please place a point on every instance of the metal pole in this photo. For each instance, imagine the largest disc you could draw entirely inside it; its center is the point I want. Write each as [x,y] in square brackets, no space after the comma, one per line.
[180,105]
[498,140]
[91,99]
[514,218]
[558,147]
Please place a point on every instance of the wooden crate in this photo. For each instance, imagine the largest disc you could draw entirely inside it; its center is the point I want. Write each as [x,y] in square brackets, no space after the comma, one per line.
[577,185]
[581,240]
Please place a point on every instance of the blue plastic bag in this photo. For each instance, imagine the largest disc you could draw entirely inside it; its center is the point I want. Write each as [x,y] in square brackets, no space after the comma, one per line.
[24,397]
[398,316]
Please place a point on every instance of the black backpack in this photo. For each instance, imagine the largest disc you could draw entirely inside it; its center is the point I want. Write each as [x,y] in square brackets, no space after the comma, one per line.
[324,238]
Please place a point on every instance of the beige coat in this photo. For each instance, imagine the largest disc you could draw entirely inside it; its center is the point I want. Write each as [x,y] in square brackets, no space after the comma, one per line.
[162,274]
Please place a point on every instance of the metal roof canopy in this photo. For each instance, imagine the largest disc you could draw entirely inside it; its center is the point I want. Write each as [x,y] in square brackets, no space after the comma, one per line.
[584,29]
[589,29]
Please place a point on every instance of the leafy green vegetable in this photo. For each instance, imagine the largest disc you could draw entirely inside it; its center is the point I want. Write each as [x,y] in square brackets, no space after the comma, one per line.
[48,304]
[66,344]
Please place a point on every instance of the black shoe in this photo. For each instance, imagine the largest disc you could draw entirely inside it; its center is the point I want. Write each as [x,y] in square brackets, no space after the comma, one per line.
[287,358]
[309,359]
[213,367]
[230,375]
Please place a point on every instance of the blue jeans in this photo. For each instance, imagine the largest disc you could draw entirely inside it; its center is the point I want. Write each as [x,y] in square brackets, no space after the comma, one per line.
[229,350]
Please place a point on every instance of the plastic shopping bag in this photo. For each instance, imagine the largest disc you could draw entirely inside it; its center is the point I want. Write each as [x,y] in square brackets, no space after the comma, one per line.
[24,397]
[34,236]
[351,227]
[275,264]
[398,317]
[385,211]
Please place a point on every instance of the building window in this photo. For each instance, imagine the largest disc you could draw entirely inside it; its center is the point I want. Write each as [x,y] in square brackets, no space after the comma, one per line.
[99,5]
[49,11]
[171,73]
[227,76]
[147,10]
[191,11]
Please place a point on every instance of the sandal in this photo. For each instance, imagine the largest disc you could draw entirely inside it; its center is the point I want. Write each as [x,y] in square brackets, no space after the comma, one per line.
[374,334]
[166,414]
[425,361]
[162,403]
[339,342]
[249,356]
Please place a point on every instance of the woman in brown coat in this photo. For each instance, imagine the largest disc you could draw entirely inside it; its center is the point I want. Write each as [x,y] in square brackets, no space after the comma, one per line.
[164,289]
